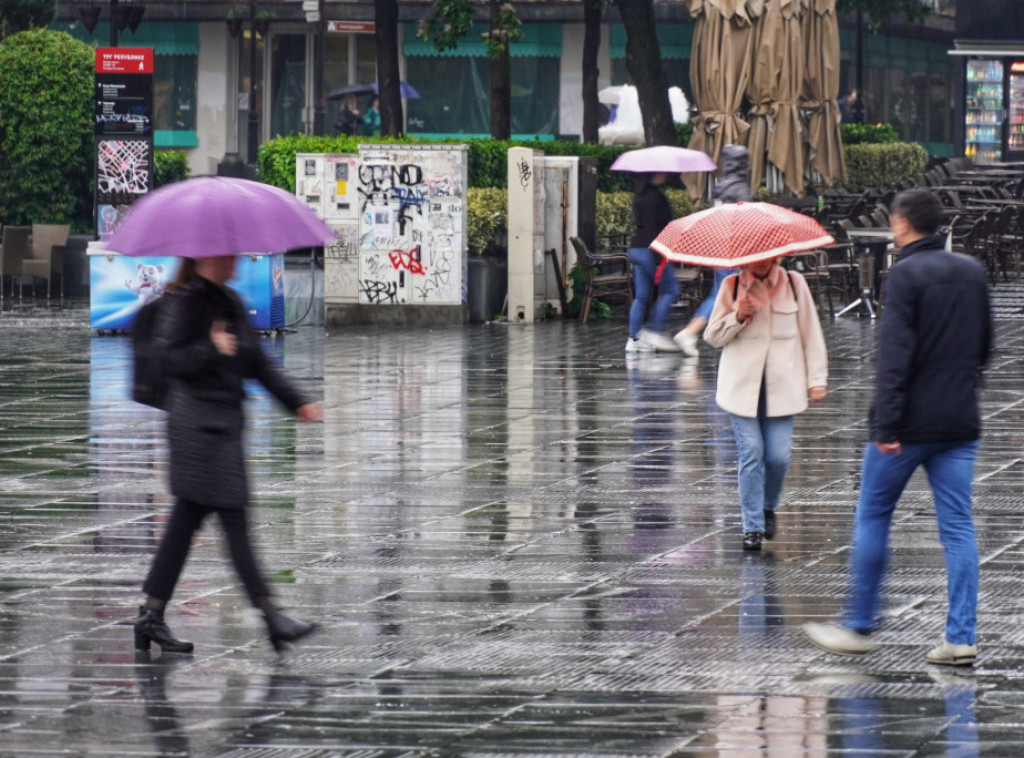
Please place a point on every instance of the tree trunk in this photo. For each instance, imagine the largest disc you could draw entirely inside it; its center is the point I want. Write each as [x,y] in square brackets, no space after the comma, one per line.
[643,59]
[591,44]
[385,17]
[501,85]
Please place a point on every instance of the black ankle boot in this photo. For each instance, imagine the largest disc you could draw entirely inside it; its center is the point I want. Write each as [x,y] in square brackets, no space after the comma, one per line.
[150,627]
[284,629]
[752,541]
[770,524]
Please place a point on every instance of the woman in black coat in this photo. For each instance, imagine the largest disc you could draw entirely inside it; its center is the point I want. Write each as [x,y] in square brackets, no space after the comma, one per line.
[208,348]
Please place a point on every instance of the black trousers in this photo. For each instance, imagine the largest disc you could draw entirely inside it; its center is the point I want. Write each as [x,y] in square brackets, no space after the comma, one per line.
[186,518]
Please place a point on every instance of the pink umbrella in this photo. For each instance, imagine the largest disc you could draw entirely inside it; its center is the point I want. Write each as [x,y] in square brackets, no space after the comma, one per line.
[663,159]
[214,216]
[737,234]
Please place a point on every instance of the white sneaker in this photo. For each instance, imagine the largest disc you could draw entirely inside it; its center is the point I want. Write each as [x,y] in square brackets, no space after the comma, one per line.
[657,342]
[838,639]
[633,345]
[687,343]
[950,654]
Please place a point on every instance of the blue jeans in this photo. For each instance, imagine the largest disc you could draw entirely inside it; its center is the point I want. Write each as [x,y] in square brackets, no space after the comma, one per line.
[950,468]
[764,449]
[645,266]
[708,304]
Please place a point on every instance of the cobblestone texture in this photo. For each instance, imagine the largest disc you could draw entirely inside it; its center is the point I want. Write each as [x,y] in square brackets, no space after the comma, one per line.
[518,543]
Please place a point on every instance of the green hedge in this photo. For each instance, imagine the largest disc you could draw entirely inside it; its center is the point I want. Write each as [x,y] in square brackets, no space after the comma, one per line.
[486,219]
[614,214]
[488,159]
[857,134]
[884,165]
[169,166]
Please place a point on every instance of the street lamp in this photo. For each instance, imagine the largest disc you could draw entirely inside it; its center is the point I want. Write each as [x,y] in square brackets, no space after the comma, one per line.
[122,16]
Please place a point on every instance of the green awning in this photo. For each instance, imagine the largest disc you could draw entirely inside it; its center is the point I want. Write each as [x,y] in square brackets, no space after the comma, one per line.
[165,37]
[674,40]
[538,41]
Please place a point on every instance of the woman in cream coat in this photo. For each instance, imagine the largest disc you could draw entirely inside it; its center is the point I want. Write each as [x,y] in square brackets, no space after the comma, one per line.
[773,358]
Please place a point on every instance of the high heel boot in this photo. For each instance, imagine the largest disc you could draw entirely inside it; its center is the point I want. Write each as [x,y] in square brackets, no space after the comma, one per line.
[150,627]
[285,630]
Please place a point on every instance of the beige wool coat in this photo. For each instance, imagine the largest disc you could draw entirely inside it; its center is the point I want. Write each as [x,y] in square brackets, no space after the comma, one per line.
[782,342]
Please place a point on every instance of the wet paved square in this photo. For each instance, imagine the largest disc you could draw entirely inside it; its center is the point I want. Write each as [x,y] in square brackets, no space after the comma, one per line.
[518,544]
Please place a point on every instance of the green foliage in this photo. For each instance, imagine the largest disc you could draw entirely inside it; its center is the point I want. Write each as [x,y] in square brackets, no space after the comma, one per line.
[680,201]
[578,282]
[857,134]
[884,165]
[614,214]
[21,15]
[488,159]
[486,219]
[453,20]
[684,133]
[46,129]
[169,166]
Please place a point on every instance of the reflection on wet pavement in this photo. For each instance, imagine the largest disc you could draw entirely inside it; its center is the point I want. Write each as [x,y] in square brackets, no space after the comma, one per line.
[518,543]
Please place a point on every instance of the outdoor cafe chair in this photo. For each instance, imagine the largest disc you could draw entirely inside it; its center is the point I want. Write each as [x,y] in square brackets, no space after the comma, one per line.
[813,266]
[12,250]
[46,255]
[608,275]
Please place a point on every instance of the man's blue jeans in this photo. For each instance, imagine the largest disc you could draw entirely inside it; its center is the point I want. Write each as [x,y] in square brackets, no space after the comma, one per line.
[645,267]
[763,448]
[950,468]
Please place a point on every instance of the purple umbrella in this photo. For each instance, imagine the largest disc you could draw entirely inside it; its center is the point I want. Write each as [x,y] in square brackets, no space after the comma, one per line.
[663,159]
[214,216]
[407,90]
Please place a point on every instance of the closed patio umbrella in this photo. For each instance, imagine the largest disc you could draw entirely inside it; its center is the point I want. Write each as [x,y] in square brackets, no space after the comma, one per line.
[820,90]
[719,69]
[782,51]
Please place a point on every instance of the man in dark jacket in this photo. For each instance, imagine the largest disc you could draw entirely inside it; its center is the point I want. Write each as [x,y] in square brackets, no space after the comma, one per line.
[935,339]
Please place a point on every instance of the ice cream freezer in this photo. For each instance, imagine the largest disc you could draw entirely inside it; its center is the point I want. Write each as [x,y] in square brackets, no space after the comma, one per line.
[120,285]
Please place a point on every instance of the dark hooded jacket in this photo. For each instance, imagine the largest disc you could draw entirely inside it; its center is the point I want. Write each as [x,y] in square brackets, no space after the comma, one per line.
[734,186]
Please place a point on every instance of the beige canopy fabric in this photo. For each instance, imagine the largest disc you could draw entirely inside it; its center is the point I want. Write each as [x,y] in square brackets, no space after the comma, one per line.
[719,69]
[776,80]
[821,89]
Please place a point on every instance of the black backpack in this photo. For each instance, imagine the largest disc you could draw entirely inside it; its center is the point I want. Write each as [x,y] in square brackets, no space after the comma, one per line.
[149,380]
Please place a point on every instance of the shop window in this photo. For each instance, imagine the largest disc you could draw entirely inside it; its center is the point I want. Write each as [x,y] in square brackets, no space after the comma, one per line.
[455,95]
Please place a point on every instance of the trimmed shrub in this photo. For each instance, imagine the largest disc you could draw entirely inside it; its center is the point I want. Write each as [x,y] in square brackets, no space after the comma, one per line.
[46,129]
[884,165]
[169,166]
[615,211]
[858,134]
[488,159]
[486,220]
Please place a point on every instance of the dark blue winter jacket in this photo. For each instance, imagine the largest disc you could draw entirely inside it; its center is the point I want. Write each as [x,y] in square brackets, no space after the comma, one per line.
[935,339]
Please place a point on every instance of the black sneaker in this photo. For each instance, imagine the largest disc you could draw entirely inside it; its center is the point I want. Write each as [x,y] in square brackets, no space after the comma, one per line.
[769,524]
[752,541]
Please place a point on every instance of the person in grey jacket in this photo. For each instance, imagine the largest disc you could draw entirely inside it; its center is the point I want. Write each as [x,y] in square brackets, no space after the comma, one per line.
[734,187]
[208,348]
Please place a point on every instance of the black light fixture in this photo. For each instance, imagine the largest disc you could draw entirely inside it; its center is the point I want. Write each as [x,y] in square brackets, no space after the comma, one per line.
[135,16]
[120,15]
[90,16]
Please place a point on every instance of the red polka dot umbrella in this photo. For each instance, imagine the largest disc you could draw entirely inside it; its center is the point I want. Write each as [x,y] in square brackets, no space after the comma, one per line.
[737,234]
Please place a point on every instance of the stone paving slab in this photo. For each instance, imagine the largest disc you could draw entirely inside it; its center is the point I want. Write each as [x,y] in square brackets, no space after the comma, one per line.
[518,542]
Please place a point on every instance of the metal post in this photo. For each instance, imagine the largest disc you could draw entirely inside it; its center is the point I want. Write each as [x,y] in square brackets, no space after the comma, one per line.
[254,120]
[318,72]
[113,26]
[858,107]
